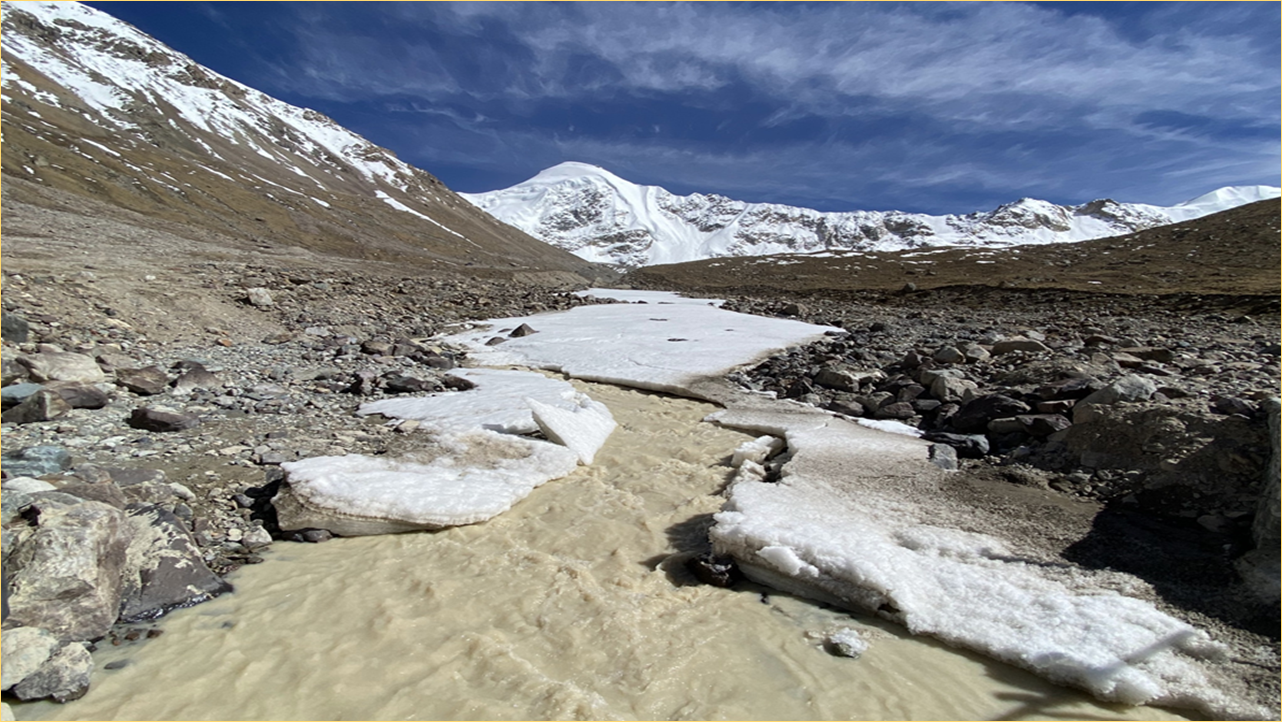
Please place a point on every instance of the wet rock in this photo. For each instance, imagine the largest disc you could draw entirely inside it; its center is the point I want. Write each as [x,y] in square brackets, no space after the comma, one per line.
[316,536]
[65,576]
[845,642]
[160,420]
[166,570]
[719,571]
[43,405]
[23,650]
[37,461]
[64,677]
[62,366]
[14,328]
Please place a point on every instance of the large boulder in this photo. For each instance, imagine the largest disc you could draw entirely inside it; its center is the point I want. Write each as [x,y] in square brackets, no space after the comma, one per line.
[62,366]
[43,405]
[165,569]
[975,415]
[64,575]
[64,677]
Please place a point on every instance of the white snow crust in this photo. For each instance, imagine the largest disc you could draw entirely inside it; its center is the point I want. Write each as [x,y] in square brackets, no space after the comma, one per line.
[474,476]
[497,403]
[651,346]
[476,467]
[852,523]
[586,210]
[582,429]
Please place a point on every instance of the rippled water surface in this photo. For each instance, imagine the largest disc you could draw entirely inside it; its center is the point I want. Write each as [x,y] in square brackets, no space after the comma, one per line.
[574,604]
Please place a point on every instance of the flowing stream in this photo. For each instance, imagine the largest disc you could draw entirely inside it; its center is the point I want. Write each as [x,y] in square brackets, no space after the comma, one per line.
[574,604]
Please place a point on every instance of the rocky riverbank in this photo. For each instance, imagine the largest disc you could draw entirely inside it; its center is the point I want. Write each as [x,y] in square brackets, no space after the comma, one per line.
[154,438]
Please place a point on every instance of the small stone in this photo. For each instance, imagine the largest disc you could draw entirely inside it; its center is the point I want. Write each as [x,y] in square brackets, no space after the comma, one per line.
[949,355]
[159,420]
[845,642]
[1025,345]
[146,381]
[197,378]
[968,446]
[256,537]
[495,341]
[316,536]
[259,297]
[715,570]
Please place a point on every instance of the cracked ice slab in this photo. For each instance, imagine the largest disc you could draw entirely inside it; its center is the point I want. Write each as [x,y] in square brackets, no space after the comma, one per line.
[858,520]
[658,346]
[472,469]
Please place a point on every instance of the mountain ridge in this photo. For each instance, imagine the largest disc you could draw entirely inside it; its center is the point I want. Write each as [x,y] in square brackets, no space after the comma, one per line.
[601,217]
[93,106]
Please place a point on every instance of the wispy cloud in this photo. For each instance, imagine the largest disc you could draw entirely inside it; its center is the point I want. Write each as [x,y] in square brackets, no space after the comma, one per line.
[940,97]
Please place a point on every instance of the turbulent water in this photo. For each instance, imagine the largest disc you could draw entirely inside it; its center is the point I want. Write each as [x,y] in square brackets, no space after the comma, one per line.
[574,604]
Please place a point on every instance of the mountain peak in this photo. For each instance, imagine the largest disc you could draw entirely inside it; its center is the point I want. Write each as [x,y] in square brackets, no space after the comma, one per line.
[601,217]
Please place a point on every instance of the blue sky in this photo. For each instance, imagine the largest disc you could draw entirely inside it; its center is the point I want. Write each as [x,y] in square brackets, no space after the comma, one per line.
[931,107]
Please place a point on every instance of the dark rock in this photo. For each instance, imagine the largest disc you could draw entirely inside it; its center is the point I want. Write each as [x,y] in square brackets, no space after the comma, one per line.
[897,410]
[1062,406]
[64,677]
[316,536]
[715,570]
[1229,405]
[522,330]
[396,383]
[17,393]
[1073,388]
[153,419]
[78,395]
[434,360]
[146,381]
[1149,353]
[197,378]
[968,446]
[975,415]
[949,355]
[37,461]
[43,405]
[14,328]
[847,408]
[1043,424]
[377,348]
[495,341]
[457,383]
[167,571]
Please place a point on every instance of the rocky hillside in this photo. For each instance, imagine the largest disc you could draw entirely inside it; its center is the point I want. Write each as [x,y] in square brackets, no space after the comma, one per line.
[601,217]
[1232,253]
[94,107]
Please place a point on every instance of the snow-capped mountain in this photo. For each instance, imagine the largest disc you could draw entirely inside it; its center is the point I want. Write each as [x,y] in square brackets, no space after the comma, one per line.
[93,106]
[601,217]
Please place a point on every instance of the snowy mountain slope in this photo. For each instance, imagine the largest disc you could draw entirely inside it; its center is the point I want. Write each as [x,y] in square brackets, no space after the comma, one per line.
[94,106]
[600,217]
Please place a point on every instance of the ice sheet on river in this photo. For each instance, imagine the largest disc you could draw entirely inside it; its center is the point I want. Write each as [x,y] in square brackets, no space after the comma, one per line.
[473,468]
[857,520]
[662,346]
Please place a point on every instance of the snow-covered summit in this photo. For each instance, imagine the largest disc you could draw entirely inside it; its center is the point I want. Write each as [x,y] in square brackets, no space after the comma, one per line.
[601,217]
